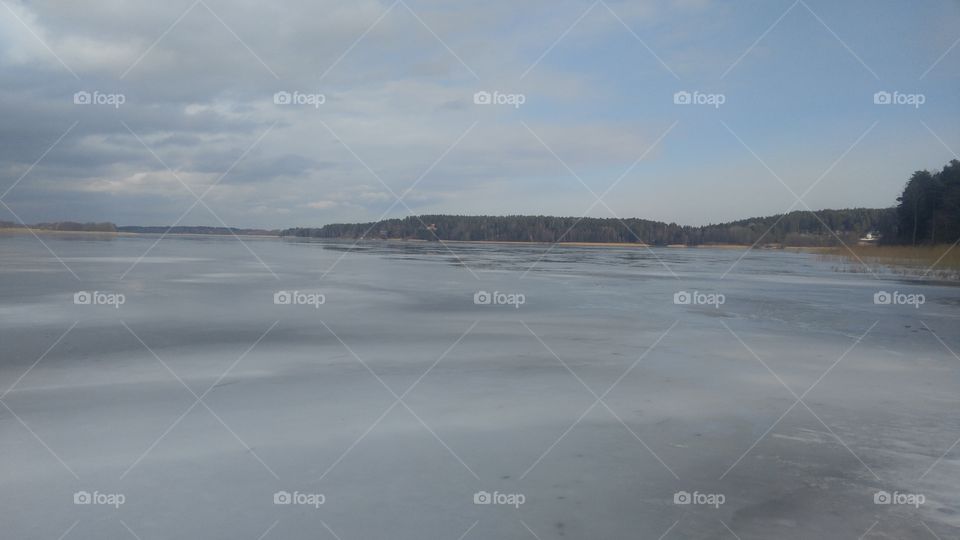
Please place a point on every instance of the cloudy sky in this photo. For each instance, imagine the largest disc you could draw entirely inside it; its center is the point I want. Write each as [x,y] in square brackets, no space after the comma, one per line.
[185,106]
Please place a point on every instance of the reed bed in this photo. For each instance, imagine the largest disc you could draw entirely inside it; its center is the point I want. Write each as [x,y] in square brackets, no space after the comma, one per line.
[936,262]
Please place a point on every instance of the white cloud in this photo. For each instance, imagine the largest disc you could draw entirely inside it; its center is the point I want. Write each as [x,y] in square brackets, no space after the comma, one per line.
[322,205]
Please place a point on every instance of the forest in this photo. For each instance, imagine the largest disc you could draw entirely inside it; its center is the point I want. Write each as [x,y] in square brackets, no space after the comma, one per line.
[928,213]
[797,228]
[929,208]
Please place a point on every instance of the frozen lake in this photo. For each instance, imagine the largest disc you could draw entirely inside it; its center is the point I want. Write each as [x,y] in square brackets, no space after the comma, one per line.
[782,398]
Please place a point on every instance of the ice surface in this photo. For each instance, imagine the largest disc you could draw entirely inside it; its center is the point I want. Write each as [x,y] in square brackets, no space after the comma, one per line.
[312,407]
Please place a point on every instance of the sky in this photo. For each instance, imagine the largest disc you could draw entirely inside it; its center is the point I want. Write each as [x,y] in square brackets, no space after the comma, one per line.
[305,112]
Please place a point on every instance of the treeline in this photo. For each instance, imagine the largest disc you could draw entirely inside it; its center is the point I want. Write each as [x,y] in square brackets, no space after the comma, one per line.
[820,228]
[929,209]
[928,213]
